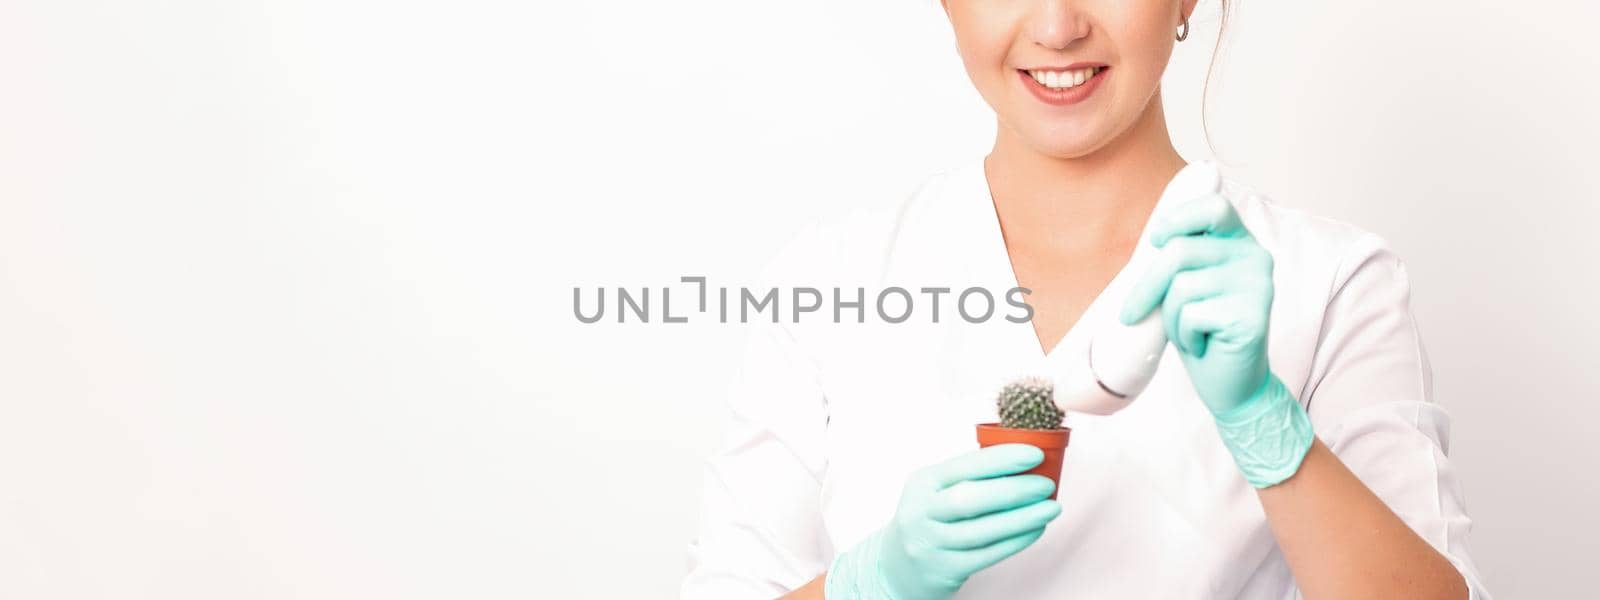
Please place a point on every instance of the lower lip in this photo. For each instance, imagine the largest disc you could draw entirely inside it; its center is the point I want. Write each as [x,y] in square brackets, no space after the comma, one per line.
[1063,97]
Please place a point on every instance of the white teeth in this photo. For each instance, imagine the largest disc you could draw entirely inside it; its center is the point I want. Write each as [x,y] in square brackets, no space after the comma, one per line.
[1064,79]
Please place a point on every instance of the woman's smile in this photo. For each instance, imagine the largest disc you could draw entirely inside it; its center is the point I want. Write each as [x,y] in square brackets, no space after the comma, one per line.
[1062,86]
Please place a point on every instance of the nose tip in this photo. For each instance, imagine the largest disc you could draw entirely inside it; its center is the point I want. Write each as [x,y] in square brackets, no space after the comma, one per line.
[1057,24]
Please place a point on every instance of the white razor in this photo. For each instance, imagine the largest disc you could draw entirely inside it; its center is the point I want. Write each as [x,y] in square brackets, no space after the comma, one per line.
[1120,360]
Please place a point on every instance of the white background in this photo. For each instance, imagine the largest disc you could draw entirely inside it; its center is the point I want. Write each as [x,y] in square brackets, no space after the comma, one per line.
[285,286]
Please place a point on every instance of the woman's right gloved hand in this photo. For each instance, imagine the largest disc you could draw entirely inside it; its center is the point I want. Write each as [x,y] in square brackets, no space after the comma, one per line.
[954,519]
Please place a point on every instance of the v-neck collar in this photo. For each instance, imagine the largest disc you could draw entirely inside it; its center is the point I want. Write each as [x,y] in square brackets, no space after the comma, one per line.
[988,263]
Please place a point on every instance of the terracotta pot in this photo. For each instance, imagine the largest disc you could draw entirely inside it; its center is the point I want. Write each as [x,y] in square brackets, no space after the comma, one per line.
[1052,441]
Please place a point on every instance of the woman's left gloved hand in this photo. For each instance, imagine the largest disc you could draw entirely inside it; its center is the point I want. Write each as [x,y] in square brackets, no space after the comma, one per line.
[1213,283]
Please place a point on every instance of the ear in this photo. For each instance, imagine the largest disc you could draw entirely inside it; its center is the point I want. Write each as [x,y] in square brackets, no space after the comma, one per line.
[1185,8]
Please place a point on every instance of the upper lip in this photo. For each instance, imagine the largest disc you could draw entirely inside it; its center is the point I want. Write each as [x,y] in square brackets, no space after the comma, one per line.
[1072,67]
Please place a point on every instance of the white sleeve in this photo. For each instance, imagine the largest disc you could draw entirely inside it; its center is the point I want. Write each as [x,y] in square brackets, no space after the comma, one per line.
[760,533]
[1370,399]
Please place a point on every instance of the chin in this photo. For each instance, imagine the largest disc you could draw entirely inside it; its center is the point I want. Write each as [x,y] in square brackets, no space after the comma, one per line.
[1060,141]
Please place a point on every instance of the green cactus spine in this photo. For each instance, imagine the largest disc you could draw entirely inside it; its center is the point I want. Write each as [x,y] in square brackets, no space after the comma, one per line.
[1029,403]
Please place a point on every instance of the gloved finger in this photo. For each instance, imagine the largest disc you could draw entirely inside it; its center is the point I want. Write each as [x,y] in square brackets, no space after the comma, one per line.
[993,461]
[1187,288]
[1210,214]
[988,529]
[1235,321]
[1204,318]
[1179,254]
[978,559]
[970,499]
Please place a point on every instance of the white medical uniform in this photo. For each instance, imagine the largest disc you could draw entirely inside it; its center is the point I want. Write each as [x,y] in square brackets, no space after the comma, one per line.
[827,420]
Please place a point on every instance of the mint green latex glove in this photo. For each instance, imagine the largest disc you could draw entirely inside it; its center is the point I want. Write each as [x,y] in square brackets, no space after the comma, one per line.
[1213,283]
[954,519]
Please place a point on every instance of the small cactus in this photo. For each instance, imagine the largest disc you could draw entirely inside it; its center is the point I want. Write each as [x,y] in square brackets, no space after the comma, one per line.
[1029,403]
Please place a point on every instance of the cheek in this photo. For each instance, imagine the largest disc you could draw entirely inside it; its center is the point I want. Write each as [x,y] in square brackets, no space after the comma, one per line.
[1145,34]
[984,35]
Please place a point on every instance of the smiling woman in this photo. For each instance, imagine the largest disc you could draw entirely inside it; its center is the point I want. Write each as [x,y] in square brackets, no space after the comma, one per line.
[1289,427]
[1135,36]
